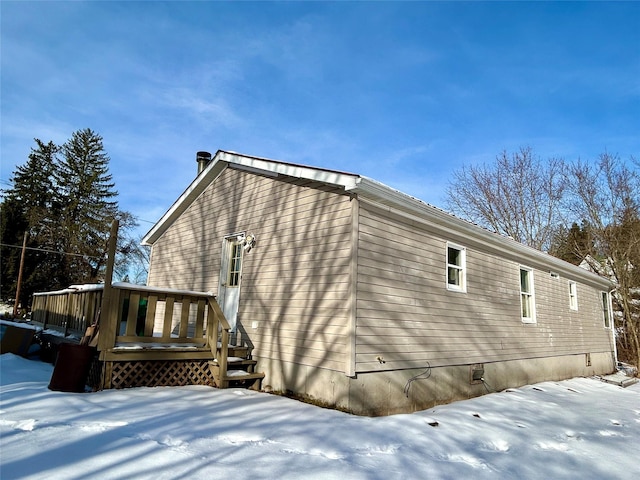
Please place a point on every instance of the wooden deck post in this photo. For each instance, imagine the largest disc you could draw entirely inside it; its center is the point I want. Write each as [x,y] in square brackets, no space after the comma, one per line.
[109,307]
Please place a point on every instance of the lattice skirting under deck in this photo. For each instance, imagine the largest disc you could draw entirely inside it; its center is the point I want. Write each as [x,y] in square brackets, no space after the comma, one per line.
[156,373]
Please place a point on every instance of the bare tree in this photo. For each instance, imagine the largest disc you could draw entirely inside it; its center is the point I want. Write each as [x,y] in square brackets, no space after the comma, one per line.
[138,266]
[519,196]
[534,202]
[606,196]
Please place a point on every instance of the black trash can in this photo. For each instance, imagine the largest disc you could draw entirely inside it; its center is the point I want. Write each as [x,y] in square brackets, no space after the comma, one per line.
[72,368]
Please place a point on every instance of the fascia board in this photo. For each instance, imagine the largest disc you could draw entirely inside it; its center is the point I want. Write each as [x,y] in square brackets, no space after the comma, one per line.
[220,161]
[330,177]
[193,191]
[420,212]
[379,193]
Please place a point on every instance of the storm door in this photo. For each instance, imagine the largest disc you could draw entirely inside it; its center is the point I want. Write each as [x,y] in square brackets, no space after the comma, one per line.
[230,277]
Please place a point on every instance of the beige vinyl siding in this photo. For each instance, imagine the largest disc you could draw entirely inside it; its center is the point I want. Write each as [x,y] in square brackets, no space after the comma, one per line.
[406,315]
[295,281]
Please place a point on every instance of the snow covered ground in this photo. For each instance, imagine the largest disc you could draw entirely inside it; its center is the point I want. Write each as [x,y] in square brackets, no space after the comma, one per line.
[580,428]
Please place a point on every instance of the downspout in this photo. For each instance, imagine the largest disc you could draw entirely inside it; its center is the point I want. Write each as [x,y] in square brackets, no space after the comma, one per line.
[350,367]
[612,320]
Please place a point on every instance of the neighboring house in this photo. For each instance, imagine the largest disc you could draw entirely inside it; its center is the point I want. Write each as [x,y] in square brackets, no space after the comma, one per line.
[367,299]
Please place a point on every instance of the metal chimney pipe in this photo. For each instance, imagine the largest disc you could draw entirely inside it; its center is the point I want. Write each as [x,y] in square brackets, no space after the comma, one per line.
[203,159]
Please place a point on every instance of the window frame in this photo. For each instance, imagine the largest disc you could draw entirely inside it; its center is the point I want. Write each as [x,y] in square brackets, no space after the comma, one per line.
[235,264]
[573,295]
[530,295]
[460,287]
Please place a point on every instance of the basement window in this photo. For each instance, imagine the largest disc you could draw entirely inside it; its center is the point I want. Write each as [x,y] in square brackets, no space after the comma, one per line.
[573,295]
[456,268]
[527,299]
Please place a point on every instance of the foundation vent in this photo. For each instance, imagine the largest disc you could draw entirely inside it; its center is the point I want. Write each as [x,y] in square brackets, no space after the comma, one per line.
[476,374]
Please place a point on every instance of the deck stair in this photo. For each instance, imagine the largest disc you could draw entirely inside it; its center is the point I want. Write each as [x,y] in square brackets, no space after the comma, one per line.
[239,371]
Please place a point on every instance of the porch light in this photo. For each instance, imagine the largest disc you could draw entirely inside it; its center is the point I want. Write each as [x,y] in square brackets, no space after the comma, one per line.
[249,242]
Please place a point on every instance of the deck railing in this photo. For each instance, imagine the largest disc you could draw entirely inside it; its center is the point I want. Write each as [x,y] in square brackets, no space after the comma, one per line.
[140,318]
[148,323]
[69,311]
[138,322]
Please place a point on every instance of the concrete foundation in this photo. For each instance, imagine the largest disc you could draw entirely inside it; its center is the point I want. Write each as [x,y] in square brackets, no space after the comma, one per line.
[405,391]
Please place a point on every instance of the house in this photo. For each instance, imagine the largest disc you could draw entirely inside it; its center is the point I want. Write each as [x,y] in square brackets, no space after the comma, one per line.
[361,297]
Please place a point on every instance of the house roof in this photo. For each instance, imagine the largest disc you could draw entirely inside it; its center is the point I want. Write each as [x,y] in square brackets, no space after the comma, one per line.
[386,197]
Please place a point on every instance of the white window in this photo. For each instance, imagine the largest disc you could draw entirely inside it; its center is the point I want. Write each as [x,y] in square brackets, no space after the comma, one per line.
[456,268]
[606,309]
[527,298]
[573,295]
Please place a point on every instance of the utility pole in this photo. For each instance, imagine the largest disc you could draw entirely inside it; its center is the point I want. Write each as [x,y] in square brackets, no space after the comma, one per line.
[17,302]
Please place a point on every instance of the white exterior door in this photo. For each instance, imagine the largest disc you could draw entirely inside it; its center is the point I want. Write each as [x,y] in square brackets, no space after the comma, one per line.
[230,278]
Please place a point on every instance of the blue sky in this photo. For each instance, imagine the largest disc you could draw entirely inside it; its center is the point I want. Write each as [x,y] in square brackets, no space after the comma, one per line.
[405,93]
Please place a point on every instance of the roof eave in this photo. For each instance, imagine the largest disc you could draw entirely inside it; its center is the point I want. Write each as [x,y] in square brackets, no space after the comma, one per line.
[382,194]
[367,188]
[275,167]
[193,191]
[223,159]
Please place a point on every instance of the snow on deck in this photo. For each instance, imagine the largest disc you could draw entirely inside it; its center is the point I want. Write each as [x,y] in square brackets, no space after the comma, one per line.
[157,346]
[127,286]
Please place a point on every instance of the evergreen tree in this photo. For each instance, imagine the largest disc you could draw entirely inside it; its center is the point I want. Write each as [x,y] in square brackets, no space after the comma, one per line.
[65,199]
[12,228]
[573,244]
[33,184]
[86,196]
[29,207]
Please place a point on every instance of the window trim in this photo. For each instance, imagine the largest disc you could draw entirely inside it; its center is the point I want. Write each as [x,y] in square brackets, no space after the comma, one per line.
[462,268]
[573,295]
[531,295]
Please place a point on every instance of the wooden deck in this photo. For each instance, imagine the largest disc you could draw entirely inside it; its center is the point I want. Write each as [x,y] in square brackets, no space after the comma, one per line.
[149,336]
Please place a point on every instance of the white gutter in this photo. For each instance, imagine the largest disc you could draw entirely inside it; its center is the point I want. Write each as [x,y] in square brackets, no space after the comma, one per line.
[435,218]
[380,194]
[612,324]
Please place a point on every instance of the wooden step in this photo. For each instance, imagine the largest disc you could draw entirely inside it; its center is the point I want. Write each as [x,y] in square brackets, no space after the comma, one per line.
[236,375]
[238,360]
[236,350]
[236,363]
[240,376]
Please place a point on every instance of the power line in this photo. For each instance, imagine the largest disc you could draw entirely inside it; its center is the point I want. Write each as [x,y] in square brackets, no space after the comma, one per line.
[50,251]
